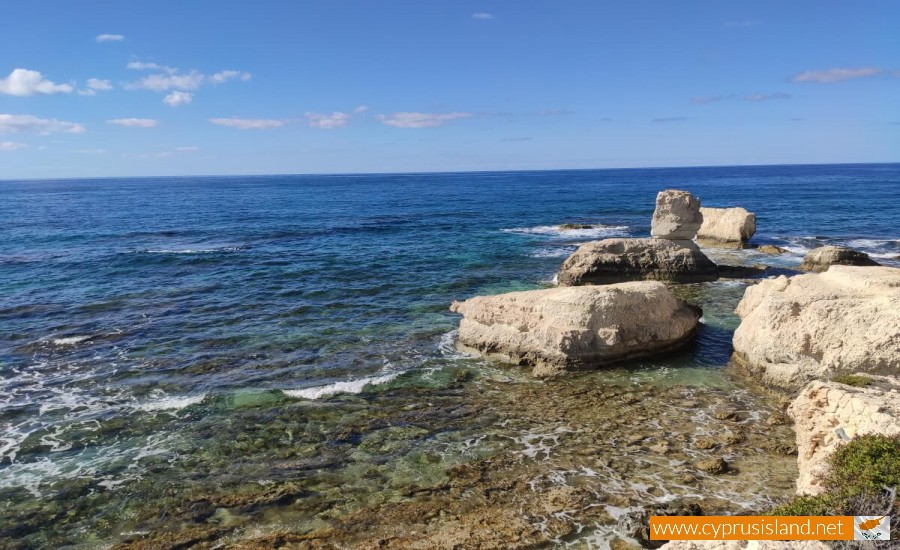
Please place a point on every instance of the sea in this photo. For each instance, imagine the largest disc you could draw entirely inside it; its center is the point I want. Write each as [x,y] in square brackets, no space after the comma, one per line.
[216,362]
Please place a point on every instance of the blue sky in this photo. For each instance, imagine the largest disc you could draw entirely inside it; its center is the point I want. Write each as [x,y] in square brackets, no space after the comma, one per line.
[118,88]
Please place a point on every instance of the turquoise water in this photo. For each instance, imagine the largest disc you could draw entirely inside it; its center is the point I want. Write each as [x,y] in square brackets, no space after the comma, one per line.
[142,319]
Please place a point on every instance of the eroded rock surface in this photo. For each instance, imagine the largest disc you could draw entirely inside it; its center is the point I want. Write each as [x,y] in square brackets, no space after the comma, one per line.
[820,259]
[574,328]
[619,260]
[812,326]
[727,224]
[677,215]
[829,414]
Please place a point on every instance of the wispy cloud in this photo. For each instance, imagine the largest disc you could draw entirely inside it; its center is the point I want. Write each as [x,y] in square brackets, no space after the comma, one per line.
[249,123]
[555,112]
[24,82]
[134,122]
[514,139]
[110,38]
[168,81]
[149,66]
[12,124]
[482,15]
[420,120]
[171,78]
[327,122]
[191,149]
[90,151]
[12,146]
[95,84]
[361,109]
[176,98]
[836,75]
[670,119]
[767,97]
[225,76]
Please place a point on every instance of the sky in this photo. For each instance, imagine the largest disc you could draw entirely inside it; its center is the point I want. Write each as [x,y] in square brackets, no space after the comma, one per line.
[151,88]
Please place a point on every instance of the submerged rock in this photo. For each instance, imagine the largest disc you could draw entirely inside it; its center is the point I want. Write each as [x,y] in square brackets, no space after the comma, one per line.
[677,215]
[819,259]
[572,328]
[712,465]
[813,326]
[570,226]
[829,414]
[619,260]
[727,225]
[771,249]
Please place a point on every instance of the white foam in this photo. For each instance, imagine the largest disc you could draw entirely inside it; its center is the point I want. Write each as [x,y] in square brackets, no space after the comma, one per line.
[170,403]
[69,340]
[350,386]
[549,252]
[236,248]
[595,231]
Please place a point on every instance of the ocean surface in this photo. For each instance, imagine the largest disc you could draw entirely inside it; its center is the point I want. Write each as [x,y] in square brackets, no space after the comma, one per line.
[279,348]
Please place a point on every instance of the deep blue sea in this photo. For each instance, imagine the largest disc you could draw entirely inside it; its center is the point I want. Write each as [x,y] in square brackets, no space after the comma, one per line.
[134,311]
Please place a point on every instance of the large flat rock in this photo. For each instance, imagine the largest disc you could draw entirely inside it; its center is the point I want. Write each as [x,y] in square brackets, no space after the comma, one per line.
[820,259]
[619,260]
[575,328]
[812,326]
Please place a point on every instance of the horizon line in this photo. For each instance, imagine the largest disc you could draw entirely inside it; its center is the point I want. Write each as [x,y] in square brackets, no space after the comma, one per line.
[438,172]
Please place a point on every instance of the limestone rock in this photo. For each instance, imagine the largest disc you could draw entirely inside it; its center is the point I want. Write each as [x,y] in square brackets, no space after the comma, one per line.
[813,326]
[829,414]
[771,249]
[727,224]
[619,260]
[819,259]
[677,215]
[572,328]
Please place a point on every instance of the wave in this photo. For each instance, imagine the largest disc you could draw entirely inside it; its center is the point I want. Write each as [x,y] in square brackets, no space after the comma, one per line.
[70,340]
[593,232]
[217,250]
[349,386]
[551,252]
[170,403]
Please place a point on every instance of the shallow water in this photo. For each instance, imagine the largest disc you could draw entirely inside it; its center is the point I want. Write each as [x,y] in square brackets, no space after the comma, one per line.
[237,359]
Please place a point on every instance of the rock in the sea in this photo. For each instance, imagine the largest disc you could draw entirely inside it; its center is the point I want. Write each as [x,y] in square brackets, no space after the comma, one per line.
[812,326]
[712,465]
[619,260]
[820,259]
[727,224]
[829,414]
[571,328]
[677,215]
[771,249]
[571,226]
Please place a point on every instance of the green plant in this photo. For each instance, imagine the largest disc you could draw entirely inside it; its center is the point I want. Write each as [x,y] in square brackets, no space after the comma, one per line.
[852,380]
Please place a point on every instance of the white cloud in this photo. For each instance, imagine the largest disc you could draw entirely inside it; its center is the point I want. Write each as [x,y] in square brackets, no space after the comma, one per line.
[87,92]
[23,82]
[134,122]
[97,84]
[419,120]
[327,122]
[177,98]
[836,75]
[90,151]
[165,82]
[482,15]
[192,149]
[248,123]
[224,76]
[361,109]
[110,38]
[11,124]
[766,97]
[11,146]
[149,66]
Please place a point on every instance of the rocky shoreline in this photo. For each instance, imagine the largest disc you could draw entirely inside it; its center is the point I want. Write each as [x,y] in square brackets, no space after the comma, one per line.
[801,335]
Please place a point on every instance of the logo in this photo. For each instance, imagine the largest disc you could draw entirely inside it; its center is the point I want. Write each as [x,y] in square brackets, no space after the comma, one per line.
[871,528]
